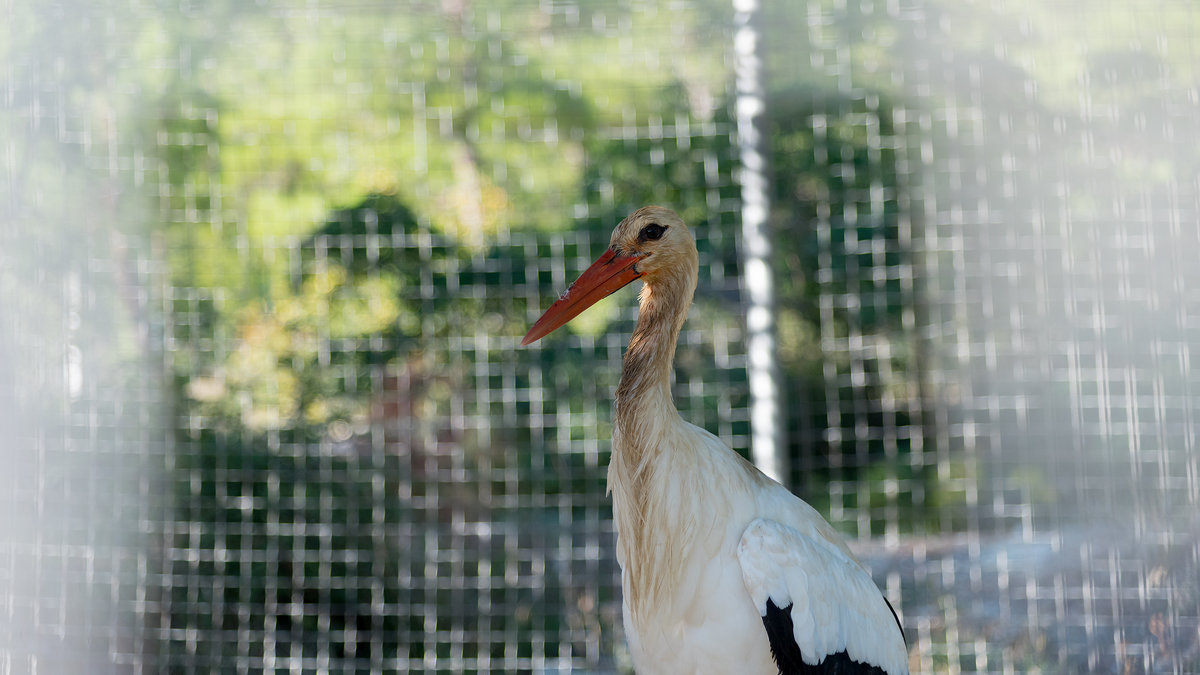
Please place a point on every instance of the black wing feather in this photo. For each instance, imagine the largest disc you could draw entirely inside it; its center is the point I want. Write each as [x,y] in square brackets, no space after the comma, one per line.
[788,658]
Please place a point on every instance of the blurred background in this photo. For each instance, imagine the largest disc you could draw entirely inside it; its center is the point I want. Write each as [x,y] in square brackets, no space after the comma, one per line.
[265,266]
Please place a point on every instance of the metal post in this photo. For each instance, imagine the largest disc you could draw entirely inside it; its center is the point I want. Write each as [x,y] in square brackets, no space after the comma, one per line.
[767,436]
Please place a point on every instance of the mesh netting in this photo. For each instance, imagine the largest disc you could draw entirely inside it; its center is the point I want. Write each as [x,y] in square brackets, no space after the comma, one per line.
[268,266]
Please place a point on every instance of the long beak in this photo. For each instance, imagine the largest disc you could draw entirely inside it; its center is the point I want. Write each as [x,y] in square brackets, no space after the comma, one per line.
[609,273]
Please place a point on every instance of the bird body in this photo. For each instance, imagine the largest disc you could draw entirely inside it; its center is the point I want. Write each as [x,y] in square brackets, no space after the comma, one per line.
[722,569]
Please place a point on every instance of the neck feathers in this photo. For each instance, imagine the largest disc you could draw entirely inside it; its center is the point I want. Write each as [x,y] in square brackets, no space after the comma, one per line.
[643,432]
[643,399]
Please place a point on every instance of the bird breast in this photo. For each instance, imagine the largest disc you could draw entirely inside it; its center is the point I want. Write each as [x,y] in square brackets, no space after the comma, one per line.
[680,512]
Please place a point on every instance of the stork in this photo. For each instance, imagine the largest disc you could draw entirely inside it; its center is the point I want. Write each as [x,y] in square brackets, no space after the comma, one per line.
[722,569]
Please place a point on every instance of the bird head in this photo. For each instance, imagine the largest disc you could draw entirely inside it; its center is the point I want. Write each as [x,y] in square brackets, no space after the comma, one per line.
[652,244]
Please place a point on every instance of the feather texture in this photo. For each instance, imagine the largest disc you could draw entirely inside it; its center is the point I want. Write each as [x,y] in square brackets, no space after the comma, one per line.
[723,570]
[832,605]
[778,623]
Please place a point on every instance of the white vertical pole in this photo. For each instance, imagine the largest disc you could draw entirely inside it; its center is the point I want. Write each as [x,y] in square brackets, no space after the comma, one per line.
[766,430]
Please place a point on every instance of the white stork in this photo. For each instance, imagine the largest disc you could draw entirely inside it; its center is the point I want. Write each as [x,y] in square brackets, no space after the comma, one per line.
[723,570]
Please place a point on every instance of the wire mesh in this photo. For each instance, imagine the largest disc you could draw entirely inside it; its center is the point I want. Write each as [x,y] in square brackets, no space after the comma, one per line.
[270,262]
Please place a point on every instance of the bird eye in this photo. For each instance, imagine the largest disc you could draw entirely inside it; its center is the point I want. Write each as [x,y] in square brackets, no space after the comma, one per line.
[651,232]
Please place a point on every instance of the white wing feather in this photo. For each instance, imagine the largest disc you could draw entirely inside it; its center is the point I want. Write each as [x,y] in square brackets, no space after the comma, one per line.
[835,604]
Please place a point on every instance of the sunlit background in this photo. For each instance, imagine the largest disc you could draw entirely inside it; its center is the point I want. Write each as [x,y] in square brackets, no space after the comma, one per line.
[265,266]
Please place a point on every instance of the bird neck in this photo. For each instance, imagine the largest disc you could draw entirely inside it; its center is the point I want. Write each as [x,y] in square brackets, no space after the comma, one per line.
[645,387]
[645,417]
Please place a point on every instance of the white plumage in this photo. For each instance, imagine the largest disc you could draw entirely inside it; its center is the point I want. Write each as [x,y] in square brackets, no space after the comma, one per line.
[833,600]
[723,570]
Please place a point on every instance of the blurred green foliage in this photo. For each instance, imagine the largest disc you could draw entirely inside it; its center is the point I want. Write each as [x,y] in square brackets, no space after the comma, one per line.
[361,208]
[369,230]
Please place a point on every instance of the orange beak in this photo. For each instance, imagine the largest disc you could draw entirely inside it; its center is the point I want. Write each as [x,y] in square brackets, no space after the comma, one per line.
[608,274]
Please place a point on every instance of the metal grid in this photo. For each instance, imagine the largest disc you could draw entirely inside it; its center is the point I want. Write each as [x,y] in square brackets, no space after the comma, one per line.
[272,260]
